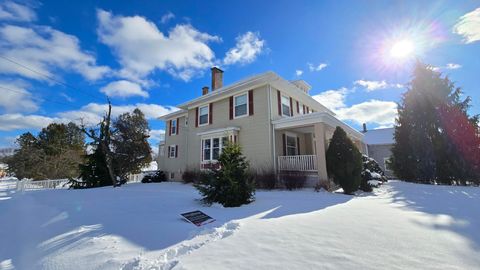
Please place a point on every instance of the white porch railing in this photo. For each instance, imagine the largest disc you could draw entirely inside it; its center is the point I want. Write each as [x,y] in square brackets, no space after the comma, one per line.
[27,184]
[302,163]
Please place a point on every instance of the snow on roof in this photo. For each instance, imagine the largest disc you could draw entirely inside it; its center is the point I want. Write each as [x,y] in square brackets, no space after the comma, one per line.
[379,136]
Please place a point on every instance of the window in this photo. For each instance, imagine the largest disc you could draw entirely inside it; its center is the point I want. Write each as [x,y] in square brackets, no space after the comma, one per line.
[186,121]
[303,109]
[285,106]
[161,150]
[291,146]
[173,127]
[213,147]
[241,105]
[172,175]
[172,151]
[203,115]
[387,164]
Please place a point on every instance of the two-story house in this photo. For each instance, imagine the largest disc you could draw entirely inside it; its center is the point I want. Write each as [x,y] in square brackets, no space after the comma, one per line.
[276,122]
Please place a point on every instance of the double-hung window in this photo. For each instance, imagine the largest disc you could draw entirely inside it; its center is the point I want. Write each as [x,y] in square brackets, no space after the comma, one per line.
[241,105]
[213,148]
[285,106]
[172,151]
[173,127]
[303,109]
[291,145]
[203,115]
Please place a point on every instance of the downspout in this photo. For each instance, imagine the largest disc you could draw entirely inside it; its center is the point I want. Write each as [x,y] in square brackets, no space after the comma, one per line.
[270,130]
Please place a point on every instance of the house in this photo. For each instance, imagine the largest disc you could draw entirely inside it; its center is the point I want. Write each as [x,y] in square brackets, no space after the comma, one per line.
[276,122]
[379,146]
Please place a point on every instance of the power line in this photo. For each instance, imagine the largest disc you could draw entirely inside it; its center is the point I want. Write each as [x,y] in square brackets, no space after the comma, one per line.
[48,77]
[40,99]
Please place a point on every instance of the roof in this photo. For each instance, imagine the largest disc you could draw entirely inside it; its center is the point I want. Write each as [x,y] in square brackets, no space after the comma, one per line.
[268,77]
[379,136]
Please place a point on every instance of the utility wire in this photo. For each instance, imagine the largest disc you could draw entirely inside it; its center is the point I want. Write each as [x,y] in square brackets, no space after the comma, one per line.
[48,77]
[40,99]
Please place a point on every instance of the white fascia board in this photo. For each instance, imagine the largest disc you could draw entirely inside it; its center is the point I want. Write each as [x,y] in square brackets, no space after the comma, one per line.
[219,131]
[313,118]
[174,114]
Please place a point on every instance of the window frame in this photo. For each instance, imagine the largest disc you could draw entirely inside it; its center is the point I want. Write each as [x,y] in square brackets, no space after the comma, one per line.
[285,104]
[220,147]
[200,115]
[286,143]
[303,109]
[235,106]
[173,127]
[173,148]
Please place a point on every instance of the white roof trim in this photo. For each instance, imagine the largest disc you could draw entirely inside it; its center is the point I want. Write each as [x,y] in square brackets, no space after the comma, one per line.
[173,114]
[219,130]
[313,118]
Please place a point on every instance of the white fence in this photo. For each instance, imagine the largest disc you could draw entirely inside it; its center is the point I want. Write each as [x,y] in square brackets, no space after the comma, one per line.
[27,184]
[301,163]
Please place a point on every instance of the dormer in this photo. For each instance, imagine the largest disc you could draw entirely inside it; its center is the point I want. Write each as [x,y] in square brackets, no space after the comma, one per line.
[303,85]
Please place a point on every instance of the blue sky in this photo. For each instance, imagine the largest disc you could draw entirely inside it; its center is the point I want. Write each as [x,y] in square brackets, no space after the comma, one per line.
[156,54]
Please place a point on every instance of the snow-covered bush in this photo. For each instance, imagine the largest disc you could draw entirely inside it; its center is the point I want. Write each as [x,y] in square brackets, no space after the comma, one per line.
[156,177]
[372,174]
[231,183]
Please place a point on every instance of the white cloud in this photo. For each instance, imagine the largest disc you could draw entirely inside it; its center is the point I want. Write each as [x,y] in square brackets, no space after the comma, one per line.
[453,66]
[333,99]
[16,97]
[123,88]
[376,85]
[11,11]
[319,67]
[298,72]
[468,26]
[167,17]
[157,135]
[45,49]
[92,113]
[19,121]
[141,47]
[372,111]
[246,50]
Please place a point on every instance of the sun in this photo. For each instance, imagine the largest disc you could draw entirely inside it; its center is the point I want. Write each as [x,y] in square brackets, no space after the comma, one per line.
[402,49]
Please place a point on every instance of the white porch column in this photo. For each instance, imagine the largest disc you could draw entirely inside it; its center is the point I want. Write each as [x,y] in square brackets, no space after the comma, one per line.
[319,129]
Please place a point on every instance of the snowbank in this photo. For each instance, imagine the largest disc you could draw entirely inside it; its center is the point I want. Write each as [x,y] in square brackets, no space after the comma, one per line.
[137,226]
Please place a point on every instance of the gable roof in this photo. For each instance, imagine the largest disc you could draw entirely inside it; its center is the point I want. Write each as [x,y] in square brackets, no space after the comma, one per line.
[379,136]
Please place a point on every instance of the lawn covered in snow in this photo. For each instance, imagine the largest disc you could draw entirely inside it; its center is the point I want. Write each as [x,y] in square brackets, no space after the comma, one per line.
[138,226]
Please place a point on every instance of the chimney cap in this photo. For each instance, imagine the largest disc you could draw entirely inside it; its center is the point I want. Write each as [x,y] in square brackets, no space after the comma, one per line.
[216,69]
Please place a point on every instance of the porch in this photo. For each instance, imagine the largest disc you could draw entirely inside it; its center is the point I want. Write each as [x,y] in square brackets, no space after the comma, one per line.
[301,142]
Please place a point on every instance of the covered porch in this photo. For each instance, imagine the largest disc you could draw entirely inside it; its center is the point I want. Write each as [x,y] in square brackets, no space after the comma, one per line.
[301,142]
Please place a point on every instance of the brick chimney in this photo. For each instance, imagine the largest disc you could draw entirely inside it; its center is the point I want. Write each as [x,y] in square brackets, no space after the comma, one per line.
[217,78]
[204,90]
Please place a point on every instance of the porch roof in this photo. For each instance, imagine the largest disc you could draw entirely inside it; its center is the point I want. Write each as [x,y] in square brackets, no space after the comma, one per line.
[314,118]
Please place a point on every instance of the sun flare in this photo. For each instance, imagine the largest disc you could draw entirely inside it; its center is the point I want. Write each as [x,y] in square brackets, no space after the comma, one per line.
[402,49]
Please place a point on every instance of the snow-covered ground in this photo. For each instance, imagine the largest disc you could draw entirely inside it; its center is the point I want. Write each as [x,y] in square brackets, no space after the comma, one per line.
[137,226]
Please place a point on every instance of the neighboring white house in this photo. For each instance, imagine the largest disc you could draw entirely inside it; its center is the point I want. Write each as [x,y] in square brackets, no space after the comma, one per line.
[379,146]
[276,122]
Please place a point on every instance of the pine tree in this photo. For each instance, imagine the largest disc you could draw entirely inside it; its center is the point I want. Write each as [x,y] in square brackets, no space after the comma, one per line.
[231,184]
[344,161]
[431,120]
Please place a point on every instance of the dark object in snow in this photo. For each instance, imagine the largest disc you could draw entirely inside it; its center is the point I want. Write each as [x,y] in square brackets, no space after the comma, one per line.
[198,218]
[155,177]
